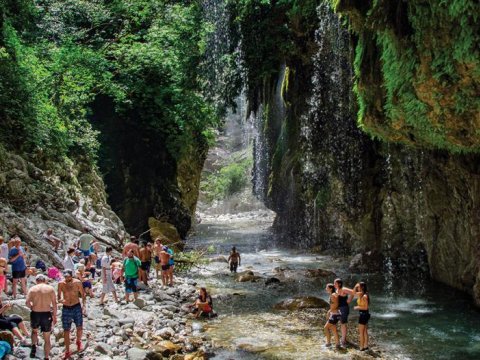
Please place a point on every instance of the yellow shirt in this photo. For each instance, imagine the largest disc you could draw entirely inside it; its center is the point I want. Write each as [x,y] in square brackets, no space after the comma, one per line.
[362,302]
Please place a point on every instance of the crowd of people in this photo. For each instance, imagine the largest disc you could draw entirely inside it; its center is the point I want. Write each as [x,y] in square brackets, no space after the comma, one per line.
[82,263]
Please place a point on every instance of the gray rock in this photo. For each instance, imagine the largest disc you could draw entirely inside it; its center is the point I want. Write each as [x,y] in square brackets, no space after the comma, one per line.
[165,333]
[103,348]
[136,354]
[140,303]
[126,321]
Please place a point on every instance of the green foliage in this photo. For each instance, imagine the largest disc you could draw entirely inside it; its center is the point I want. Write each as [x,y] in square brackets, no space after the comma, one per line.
[229,180]
[430,65]
[58,56]
[267,29]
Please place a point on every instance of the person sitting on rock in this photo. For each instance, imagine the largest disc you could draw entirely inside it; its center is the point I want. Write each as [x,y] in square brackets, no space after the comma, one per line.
[84,277]
[203,306]
[52,239]
[333,316]
[13,323]
[234,260]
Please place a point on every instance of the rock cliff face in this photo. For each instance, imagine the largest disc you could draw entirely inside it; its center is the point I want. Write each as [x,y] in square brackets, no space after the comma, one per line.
[332,186]
[38,193]
[142,179]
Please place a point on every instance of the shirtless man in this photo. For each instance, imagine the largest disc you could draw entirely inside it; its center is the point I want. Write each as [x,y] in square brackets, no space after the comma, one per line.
[164,262]
[70,291]
[132,245]
[157,249]
[234,260]
[43,303]
[146,259]
[332,316]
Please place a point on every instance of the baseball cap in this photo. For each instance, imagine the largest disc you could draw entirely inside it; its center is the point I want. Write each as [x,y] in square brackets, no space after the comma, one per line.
[67,272]
[40,277]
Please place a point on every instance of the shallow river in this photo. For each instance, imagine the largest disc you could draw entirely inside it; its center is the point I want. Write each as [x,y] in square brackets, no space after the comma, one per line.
[416,320]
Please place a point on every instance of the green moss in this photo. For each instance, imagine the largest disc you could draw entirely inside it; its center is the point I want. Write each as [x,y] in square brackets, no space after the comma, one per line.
[430,72]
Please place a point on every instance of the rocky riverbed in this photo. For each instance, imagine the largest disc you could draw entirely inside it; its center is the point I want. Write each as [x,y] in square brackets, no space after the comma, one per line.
[156,326]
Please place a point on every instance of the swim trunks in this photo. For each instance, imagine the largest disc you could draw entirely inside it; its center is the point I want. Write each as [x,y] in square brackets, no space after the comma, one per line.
[165,267]
[145,266]
[42,320]
[72,314]
[131,285]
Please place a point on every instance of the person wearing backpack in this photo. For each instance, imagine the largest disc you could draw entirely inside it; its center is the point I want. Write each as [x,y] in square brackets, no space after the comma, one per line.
[131,264]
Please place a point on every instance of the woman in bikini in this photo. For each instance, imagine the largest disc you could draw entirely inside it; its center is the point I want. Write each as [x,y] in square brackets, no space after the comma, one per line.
[363,302]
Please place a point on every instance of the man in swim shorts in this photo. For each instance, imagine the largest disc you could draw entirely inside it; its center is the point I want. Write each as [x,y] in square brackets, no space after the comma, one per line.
[146,260]
[42,301]
[84,242]
[165,264]
[70,291]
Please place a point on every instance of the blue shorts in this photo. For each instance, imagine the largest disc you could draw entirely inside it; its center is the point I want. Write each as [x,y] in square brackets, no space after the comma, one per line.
[86,253]
[131,285]
[72,314]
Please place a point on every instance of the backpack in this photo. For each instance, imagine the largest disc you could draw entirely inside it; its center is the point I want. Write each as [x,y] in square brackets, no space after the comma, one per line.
[41,265]
[5,347]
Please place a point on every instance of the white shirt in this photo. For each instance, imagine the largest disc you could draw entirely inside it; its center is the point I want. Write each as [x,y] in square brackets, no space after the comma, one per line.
[68,263]
[4,251]
[106,262]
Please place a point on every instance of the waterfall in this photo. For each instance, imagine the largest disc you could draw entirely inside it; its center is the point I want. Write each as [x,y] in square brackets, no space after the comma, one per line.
[332,173]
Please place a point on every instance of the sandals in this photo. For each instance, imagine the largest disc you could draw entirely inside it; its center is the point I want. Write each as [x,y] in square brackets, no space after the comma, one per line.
[67,355]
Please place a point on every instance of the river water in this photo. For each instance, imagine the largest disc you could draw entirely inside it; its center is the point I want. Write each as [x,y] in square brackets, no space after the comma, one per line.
[416,319]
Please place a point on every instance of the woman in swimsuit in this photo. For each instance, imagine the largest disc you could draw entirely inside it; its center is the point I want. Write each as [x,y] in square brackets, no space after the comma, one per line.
[363,301]
[13,323]
[345,296]
[332,316]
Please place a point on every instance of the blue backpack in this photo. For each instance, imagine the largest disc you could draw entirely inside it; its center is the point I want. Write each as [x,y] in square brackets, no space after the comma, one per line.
[41,265]
[5,349]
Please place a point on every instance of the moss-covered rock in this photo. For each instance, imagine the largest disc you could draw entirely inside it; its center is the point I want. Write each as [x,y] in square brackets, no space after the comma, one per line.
[417,70]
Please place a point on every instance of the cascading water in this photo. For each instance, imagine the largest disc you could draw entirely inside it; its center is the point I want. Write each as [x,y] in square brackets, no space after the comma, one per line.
[331,119]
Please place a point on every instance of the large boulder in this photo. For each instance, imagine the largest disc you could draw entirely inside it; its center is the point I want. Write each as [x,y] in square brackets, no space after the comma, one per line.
[302,302]
[366,262]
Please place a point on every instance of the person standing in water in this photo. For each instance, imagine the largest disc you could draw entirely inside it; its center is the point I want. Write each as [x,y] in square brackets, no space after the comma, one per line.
[345,296]
[363,302]
[234,260]
[332,316]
